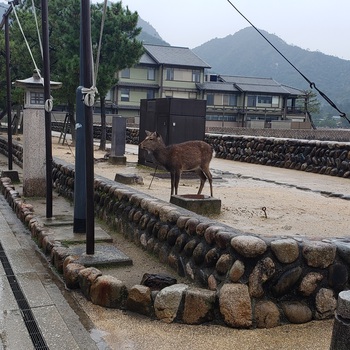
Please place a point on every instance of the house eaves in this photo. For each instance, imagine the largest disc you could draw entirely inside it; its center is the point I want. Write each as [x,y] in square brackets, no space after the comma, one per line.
[260,85]
[266,89]
[217,86]
[146,59]
[294,91]
[174,56]
[138,85]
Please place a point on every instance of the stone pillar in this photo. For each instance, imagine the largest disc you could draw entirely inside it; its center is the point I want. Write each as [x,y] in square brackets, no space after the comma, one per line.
[341,327]
[34,153]
[118,141]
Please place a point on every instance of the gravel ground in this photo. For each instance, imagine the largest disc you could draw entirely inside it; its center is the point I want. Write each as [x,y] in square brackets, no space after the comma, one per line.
[306,209]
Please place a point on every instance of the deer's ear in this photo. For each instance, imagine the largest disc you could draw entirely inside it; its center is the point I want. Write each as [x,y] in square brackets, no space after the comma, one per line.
[148,132]
[157,134]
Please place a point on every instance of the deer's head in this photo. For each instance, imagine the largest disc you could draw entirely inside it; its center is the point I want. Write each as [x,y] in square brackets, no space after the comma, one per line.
[152,141]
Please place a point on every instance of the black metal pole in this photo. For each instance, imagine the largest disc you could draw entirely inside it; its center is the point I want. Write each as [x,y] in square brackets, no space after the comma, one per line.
[48,106]
[79,222]
[8,92]
[87,56]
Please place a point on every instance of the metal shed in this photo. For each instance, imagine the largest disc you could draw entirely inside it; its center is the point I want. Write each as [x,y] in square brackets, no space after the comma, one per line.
[176,119]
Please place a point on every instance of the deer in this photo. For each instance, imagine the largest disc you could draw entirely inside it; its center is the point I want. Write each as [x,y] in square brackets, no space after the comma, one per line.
[186,156]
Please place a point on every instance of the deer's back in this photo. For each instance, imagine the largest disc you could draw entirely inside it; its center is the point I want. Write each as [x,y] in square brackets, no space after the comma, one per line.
[189,155]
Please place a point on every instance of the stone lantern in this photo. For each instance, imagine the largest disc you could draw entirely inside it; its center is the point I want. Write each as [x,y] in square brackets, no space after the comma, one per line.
[34,150]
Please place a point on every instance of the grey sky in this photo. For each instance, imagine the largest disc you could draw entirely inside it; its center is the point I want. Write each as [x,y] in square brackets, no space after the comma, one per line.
[321,25]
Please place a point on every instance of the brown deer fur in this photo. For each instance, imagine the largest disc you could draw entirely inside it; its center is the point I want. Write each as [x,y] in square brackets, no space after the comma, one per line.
[185,156]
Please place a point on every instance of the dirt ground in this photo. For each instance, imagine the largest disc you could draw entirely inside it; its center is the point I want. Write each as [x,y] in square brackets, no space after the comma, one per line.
[290,211]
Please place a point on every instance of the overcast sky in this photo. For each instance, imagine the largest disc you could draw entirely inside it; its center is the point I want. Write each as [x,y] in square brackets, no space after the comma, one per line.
[322,25]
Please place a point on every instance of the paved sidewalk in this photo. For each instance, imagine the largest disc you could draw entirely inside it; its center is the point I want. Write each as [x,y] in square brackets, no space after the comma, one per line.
[34,314]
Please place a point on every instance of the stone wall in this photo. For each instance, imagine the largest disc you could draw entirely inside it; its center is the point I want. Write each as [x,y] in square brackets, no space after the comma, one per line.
[243,280]
[339,135]
[323,157]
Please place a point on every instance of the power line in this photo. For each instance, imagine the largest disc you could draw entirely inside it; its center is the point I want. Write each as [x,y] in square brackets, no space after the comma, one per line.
[311,84]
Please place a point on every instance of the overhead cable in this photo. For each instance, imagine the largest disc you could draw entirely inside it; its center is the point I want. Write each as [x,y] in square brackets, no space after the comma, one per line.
[311,84]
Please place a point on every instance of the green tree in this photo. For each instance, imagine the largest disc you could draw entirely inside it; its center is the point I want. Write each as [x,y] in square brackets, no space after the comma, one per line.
[119,49]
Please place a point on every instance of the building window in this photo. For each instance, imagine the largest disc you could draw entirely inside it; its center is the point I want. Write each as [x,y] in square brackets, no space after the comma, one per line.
[230,100]
[36,98]
[196,75]
[151,74]
[125,95]
[150,94]
[251,101]
[266,100]
[125,73]
[210,99]
[170,74]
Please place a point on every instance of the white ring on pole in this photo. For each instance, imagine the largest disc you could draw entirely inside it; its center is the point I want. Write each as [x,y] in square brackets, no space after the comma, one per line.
[48,105]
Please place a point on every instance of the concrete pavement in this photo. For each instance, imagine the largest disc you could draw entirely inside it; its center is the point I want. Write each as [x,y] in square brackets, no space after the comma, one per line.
[34,314]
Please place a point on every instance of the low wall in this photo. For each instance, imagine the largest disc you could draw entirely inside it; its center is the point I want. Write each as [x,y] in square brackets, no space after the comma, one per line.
[322,157]
[243,280]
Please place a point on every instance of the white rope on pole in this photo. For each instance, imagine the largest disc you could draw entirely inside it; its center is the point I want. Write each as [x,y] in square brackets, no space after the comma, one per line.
[48,105]
[100,40]
[37,29]
[89,93]
[25,39]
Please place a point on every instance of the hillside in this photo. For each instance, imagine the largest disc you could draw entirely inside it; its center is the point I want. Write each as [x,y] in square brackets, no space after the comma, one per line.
[149,35]
[248,53]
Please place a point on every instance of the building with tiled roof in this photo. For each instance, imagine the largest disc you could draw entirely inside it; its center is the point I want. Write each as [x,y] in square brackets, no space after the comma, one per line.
[177,72]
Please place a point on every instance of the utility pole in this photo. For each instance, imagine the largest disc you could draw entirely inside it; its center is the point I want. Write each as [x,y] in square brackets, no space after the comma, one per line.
[48,106]
[89,141]
[5,22]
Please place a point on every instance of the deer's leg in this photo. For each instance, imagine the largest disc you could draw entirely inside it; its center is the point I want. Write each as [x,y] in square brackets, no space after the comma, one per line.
[203,178]
[177,175]
[172,176]
[210,179]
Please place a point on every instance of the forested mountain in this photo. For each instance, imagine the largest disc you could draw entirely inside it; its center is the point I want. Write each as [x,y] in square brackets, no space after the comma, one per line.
[248,53]
[149,35]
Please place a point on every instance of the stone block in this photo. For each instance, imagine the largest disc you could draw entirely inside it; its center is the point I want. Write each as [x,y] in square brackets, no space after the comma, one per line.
[108,291]
[198,203]
[267,314]
[199,306]
[297,312]
[71,275]
[117,160]
[87,277]
[235,305]
[286,250]
[167,302]
[140,300]
[128,179]
[248,246]
[319,254]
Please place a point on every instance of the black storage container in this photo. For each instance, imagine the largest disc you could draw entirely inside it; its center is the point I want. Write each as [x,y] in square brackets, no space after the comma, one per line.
[176,119]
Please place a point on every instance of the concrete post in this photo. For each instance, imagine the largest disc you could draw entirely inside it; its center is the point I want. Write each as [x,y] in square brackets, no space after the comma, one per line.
[341,327]
[118,141]
[34,155]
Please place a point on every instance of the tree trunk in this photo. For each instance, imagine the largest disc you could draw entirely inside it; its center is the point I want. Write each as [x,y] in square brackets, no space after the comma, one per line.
[103,125]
